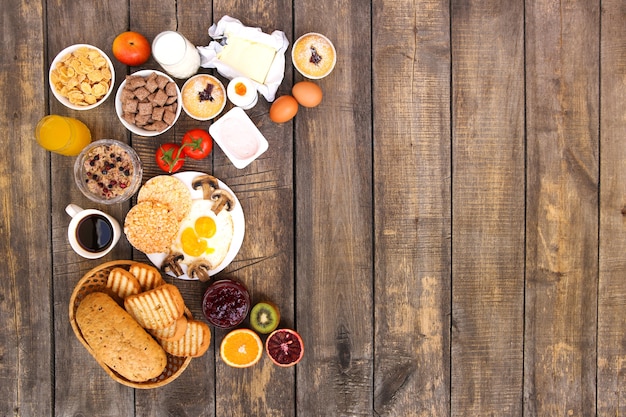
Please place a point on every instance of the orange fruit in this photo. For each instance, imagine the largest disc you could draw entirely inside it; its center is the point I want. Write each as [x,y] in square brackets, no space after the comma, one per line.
[284,347]
[241,348]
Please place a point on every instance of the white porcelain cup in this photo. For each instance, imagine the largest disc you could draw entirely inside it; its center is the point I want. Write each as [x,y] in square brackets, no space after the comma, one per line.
[92,233]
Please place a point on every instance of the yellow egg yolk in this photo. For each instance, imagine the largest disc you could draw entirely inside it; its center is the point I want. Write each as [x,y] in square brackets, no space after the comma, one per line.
[193,240]
[205,227]
[240,89]
[191,244]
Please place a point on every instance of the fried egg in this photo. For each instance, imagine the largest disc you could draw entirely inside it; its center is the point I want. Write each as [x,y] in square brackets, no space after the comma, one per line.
[203,235]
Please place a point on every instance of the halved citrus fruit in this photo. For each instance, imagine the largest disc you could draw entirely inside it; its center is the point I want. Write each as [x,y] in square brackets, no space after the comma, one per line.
[284,347]
[241,348]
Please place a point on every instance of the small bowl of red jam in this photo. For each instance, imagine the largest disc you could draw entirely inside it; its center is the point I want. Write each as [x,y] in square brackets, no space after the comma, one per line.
[108,171]
[226,303]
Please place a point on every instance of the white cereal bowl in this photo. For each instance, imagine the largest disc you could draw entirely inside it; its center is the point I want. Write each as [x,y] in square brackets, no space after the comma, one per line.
[64,100]
[138,130]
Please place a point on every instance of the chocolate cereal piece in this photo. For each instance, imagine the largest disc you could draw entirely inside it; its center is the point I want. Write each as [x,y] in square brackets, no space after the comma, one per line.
[169,117]
[159,98]
[144,108]
[141,93]
[134,81]
[170,89]
[162,81]
[157,113]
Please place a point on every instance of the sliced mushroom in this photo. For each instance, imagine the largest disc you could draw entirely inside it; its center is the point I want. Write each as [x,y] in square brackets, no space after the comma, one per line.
[171,263]
[207,183]
[200,270]
[222,199]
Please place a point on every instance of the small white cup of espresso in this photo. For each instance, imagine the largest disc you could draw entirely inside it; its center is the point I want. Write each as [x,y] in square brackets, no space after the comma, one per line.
[92,233]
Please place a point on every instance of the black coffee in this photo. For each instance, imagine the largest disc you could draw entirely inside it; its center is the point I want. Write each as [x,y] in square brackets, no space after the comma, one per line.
[94,233]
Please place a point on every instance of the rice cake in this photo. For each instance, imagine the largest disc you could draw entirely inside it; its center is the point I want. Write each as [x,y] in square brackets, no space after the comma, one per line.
[169,191]
[150,227]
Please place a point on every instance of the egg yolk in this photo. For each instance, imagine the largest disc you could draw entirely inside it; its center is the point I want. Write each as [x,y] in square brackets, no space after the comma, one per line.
[205,227]
[191,244]
[240,89]
[192,239]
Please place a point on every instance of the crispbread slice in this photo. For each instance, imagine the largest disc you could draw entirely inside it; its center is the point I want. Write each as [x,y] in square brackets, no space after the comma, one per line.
[167,190]
[157,308]
[122,283]
[194,343]
[173,332]
[148,276]
[150,227]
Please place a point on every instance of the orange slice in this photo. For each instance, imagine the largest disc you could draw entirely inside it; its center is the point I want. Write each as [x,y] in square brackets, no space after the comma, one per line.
[241,348]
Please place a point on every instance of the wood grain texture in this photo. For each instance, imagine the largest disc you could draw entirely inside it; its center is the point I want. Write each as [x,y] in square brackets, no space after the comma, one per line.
[488,207]
[266,191]
[151,17]
[611,385]
[446,230]
[75,371]
[562,207]
[25,288]
[334,264]
[411,90]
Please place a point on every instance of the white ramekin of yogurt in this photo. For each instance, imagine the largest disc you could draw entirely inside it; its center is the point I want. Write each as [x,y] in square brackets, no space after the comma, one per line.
[176,54]
[238,137]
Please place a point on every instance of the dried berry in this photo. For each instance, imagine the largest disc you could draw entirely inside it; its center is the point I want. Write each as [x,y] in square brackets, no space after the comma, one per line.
[316,58]
[206,93]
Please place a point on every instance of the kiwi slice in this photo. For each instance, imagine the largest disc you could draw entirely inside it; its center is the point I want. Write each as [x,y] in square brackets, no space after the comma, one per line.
[264,317]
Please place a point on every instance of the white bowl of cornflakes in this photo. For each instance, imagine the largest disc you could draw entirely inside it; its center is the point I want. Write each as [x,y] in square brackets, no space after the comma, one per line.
[81,77]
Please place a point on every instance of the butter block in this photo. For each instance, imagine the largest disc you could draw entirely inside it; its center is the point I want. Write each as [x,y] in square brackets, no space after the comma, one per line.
[251,59]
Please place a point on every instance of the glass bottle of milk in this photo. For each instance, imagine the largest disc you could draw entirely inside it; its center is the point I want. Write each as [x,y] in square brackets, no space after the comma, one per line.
[176,54]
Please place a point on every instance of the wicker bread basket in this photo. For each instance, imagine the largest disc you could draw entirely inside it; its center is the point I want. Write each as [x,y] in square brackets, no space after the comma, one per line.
[94,281]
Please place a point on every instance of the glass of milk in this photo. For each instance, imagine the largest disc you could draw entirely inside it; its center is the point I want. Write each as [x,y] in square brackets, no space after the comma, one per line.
[176,54]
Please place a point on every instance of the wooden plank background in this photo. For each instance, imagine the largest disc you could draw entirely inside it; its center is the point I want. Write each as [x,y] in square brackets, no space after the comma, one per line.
[412,206]
[562,208]
[612,266]
[446,230]
[487,207]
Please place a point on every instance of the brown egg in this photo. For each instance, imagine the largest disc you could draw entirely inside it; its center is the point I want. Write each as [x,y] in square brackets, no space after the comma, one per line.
[283,109]
[307,93]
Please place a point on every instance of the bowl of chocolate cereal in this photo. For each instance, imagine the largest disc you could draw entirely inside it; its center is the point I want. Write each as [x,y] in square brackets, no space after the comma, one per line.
[108,171]
[148,102]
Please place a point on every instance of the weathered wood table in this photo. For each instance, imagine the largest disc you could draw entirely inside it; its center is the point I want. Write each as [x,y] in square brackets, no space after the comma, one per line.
[446,230]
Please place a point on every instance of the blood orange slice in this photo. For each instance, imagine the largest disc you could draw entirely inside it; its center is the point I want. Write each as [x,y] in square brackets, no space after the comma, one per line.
[284,347]
[241,348]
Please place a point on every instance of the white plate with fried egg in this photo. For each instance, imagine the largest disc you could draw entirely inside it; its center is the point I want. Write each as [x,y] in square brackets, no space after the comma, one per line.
[204,235]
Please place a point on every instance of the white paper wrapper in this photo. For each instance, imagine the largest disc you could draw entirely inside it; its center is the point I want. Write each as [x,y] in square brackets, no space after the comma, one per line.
[230,26]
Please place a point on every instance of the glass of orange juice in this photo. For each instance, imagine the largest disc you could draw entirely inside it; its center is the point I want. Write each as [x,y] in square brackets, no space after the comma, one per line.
[62,135]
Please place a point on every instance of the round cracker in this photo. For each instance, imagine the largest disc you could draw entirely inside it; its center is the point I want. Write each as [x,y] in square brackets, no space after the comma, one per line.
[167,190]
[151,227]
